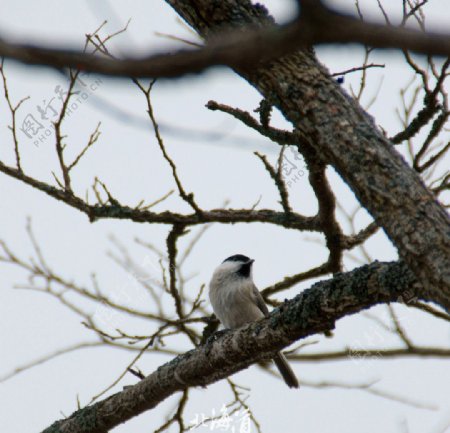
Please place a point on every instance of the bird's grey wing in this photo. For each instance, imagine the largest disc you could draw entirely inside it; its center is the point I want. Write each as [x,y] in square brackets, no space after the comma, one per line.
[259,301]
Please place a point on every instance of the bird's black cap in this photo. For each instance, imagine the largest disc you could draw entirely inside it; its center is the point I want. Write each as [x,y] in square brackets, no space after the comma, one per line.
[237,258]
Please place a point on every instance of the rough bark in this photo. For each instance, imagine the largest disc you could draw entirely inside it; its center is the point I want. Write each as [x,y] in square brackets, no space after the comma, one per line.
[347,138]
[312,311]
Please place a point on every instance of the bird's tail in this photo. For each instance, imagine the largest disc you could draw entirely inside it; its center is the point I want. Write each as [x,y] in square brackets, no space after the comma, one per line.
[285,370]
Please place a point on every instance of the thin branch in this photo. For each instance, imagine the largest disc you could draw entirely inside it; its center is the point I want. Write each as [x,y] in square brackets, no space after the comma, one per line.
[288,282]
[370,389]
[188,198]
[429,309]
[49,357]
[372,354]
[228,216]
[279,182]
[241,402]
[177,231]
[92,140]
[13,110]
[276,135]
[357,69]
[349,242]
[122,375]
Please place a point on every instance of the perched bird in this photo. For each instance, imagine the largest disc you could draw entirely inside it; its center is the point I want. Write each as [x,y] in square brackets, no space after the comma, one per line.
[236,301]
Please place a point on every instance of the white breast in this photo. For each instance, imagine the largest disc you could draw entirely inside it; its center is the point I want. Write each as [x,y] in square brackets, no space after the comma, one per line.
[233,302]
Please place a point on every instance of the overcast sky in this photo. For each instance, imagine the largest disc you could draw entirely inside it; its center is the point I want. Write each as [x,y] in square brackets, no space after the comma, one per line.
[214,155]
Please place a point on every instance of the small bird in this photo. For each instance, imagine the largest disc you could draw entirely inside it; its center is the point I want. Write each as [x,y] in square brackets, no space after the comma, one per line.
[236,301]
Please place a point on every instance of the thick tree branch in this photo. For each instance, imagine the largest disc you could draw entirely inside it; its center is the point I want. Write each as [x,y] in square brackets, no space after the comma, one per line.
[317,24]
[314,310]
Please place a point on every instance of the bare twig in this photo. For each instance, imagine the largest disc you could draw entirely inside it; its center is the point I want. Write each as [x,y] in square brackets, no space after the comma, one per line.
[188,198]
[357,69]
[277,177]
[13,109]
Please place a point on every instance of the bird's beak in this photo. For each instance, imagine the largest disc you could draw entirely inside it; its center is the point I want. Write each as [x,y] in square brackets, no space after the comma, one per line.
[250,262]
